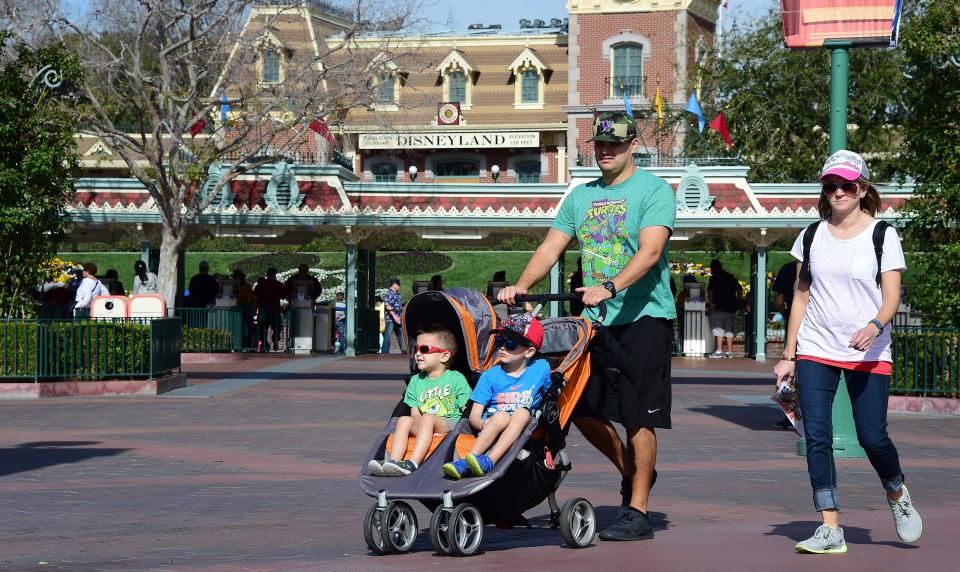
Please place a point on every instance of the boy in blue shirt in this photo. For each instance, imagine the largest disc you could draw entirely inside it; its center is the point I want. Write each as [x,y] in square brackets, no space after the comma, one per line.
[505,395]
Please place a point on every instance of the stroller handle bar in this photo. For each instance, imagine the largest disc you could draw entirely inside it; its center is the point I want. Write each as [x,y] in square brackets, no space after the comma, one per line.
[564,297]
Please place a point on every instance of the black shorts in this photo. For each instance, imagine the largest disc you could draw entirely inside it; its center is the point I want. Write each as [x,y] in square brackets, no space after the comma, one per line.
[630,375]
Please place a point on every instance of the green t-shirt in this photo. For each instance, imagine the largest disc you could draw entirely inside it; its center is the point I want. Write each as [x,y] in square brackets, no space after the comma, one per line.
[606,221]
[444,396]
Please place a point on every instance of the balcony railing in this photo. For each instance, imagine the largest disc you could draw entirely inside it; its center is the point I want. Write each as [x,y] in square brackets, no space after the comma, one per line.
[631,85]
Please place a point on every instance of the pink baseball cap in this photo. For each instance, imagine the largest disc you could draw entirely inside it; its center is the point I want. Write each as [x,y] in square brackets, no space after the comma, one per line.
[846,164]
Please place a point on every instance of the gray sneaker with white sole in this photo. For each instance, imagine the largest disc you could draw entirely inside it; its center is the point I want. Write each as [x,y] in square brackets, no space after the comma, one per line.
[906,517]
[825,540]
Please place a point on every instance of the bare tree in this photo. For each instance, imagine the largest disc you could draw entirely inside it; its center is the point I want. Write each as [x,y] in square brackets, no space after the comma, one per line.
[159,72]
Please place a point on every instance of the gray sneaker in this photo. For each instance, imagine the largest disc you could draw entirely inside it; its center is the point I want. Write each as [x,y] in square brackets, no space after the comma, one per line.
[375,467]
[906,517]
[715,355]
[826,540]
[398,468]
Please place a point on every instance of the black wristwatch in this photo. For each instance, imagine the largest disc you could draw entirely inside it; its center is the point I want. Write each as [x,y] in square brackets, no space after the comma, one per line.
[611,287]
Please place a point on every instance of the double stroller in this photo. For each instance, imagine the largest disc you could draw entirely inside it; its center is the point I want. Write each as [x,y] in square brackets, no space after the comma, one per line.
[530,472]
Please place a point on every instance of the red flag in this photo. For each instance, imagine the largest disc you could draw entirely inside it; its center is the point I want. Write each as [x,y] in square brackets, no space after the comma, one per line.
[198,126]
[320,126]
[719,124]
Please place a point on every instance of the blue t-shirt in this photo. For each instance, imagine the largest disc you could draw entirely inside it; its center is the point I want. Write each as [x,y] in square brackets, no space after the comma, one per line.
[499,391]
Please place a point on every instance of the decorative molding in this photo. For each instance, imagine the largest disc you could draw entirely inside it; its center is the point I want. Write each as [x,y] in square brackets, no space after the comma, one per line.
[528,58]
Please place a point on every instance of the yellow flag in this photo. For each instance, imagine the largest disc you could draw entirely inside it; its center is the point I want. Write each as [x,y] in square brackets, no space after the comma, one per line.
[658,102]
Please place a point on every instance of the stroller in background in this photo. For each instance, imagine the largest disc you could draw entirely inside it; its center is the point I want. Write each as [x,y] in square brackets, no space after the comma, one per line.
[530,472]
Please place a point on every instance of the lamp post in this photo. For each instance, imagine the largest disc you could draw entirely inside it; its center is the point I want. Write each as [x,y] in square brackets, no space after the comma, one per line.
[495,171]
[413,173]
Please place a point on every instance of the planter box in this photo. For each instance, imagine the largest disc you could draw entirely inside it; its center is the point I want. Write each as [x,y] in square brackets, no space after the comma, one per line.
[137,387]
[212,357]
[927,405]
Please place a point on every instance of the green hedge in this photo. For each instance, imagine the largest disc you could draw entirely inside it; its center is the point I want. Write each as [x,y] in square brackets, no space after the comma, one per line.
[256,266]
[412,262]
[926,361]
[83,350]
[206,340]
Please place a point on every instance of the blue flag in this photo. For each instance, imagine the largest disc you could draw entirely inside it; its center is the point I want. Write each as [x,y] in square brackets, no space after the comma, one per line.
[626,104]
[224,107]
[694,107]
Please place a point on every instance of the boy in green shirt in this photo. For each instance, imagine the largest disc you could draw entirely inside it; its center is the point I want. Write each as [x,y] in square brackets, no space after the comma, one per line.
[436,397]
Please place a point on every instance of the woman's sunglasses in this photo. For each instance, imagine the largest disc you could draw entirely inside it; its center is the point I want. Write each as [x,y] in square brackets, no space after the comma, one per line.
[847,188]
[428,350]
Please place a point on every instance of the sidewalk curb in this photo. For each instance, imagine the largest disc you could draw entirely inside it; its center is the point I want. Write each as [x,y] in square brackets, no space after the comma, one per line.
[927,405]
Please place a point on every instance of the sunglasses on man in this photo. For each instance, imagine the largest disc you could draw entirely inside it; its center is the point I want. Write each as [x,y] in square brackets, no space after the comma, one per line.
[429,350]
[848,188]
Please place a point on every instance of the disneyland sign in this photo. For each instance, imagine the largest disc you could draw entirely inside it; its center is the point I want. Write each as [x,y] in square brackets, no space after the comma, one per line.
[479,140]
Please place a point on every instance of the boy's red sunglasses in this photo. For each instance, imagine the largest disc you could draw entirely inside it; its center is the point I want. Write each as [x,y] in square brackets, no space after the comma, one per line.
[428,350]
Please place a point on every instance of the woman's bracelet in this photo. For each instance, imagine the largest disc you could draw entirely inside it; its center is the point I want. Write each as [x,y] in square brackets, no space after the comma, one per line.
[785,358]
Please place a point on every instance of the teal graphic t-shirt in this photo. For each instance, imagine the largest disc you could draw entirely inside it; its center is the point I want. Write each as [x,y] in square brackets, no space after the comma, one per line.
[444,396]
[606,221]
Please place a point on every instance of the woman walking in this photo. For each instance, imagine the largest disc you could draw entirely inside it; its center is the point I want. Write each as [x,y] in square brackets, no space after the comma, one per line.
[847,294]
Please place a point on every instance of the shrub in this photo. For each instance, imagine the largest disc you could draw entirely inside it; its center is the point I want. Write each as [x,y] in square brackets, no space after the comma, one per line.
[256,266]
[413,262]
[206,340]
[83,350]
[926,361]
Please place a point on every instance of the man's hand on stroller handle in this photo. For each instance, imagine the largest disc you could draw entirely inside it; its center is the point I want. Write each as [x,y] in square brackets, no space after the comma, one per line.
[594,295]
[508,294]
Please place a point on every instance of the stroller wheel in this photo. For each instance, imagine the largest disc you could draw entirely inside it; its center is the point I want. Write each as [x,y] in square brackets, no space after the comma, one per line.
[439,523]
[578,523]
[465,531]
[371,530]
[399,527]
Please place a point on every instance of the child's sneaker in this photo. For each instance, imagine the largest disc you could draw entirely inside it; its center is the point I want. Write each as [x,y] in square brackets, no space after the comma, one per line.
[906,517]
[376,467]
[479,464]
[456,469]
[399,468]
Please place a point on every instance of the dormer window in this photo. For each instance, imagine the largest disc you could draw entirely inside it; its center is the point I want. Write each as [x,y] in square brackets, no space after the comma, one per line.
[386,89]
[270,69]
[457,77]
[529,76]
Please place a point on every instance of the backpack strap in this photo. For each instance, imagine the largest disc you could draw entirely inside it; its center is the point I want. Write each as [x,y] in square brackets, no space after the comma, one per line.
[879,233]
[808,234]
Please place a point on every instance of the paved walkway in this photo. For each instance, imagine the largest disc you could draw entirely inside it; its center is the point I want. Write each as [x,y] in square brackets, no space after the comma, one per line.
[263,476]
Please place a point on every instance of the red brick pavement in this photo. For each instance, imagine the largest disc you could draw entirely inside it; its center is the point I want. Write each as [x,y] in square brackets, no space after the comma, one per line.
[265,478]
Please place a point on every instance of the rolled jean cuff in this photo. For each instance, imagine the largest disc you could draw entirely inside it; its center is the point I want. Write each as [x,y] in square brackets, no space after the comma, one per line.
[826,499]
[893,485]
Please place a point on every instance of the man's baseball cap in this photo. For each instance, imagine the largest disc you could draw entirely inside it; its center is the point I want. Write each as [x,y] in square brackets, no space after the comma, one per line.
[614,127]
[523,328]
[846,164]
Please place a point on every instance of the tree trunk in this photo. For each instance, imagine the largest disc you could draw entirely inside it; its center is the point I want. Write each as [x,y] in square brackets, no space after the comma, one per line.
[171,243]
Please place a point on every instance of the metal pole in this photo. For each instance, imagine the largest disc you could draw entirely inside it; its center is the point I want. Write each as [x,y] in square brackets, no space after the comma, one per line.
[556,285]
[760,304]
[845,443]
[351,296]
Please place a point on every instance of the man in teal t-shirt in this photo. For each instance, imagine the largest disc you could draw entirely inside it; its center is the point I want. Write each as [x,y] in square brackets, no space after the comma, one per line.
[622,222]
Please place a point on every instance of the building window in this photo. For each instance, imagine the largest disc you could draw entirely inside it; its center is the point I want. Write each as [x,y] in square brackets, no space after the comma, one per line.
[530,86]
[456,168]
[384,172]
[386,89]
[528,171]
[458,86]
[270,70]
[627,71]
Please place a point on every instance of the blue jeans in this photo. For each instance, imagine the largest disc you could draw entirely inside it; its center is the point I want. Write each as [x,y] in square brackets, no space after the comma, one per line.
[868,395]
[391,328]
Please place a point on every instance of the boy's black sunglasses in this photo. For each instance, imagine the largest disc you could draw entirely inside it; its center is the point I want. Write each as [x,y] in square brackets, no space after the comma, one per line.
[508,343]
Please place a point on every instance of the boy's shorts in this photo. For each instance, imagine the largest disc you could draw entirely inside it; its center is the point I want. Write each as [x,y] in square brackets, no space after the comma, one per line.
[451,423]
[643,401]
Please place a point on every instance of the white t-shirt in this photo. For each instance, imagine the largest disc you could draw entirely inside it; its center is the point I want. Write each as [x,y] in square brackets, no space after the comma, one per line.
[88,290]
[148,287]
[844,295]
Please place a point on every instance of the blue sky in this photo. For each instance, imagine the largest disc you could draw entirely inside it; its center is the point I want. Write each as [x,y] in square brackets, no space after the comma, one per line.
[508,12]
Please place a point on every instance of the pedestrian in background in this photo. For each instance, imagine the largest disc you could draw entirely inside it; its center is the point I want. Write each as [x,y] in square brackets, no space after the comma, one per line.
[393,308]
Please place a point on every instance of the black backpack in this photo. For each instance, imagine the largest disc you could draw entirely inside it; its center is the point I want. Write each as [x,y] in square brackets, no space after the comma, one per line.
[879,232]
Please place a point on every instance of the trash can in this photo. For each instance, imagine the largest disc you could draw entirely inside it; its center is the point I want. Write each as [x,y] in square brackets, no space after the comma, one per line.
[322,319]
